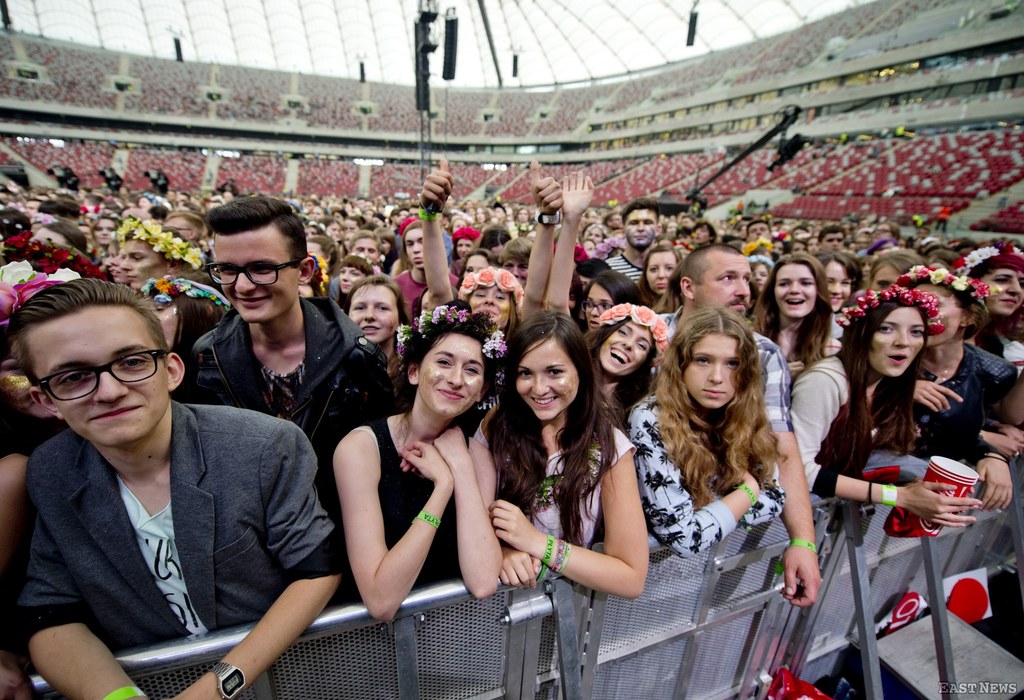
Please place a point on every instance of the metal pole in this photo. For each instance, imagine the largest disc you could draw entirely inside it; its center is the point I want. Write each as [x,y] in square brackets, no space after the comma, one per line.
[940,620]
[862,601]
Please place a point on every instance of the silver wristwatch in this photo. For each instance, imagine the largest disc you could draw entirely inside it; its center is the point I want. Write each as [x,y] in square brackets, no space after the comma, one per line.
[550,219]
[230,679]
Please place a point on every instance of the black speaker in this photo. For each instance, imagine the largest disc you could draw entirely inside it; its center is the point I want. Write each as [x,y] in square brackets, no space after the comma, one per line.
[451,45]
[691,33]
[515,65]
[177,51]
[362,72]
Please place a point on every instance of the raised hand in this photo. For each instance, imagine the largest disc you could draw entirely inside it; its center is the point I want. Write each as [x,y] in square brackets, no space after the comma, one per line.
[577,194]
[437,187]
[547,193]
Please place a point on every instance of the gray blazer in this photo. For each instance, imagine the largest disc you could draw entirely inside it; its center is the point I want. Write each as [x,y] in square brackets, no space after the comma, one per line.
[245,511]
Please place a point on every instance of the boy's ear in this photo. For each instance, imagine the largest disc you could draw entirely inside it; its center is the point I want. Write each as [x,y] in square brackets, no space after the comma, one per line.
[44,400]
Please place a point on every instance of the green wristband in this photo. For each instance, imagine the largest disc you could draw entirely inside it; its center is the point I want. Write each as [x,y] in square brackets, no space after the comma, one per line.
[804,543]
[428,216]
[129,691]
[543,570]
[549,551]
[889,495]
[429,519]
[750,493]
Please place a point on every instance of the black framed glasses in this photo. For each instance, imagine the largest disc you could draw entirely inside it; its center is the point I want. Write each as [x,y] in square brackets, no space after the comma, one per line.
[82,381]
[261,273]
[599,306]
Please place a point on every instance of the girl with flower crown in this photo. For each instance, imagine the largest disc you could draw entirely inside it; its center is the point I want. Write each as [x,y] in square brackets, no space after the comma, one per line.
[413,500]
[625,347]
[705,453]
[564,473]
[853,413]
[148,252]
[1001,267]
[959,382]
[492,291]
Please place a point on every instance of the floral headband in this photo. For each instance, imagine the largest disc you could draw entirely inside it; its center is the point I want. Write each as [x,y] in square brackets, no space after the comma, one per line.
[963,266]
[488,277]
[640,315]
[926,301]
[48,258]
[449,318]
[319,269]
[762,259]
[19,283]
[163,242]
[164,289]
[919,274]
[749,248]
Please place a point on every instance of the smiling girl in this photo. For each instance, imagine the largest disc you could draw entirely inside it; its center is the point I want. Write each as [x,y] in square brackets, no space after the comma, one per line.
[705,453]
[563,471]
[627,342]
[413,505]
[795,313]
[376,305]
[1001,267]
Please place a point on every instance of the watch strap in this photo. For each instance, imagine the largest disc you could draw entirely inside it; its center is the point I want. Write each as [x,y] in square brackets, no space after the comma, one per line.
[549,219]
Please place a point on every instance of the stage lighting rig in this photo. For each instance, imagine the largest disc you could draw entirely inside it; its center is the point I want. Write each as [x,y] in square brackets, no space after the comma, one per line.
[66,178]
[113,180]
[159,181]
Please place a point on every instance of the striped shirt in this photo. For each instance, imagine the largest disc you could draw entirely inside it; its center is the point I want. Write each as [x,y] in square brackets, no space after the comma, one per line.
[620,264]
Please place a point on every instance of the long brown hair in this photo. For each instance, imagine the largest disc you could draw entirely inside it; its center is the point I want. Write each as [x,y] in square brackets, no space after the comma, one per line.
[890,412]
[712,449]
[815,332]
[515,432]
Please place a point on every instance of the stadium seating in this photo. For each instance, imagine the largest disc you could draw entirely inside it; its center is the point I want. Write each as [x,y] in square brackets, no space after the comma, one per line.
[86,158]
[328,177]
[254,173]
[1008,220]
[184,169]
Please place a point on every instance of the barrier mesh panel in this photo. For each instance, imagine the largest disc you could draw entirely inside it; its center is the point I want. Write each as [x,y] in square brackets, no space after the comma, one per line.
[723,656]
[651,674]
[461,649]
[669,602]
[826,665]
[168,684]
[357,664]
[741,583]
[772,532]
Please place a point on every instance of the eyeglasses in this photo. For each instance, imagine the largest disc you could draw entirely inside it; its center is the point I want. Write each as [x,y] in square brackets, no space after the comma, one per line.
[599,306]
[76,383]
[261,273]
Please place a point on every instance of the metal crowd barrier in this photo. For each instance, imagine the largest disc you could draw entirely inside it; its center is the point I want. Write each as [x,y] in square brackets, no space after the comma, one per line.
[711,626]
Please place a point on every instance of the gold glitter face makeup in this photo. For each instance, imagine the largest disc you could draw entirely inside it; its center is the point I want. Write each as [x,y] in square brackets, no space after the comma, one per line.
[451,377]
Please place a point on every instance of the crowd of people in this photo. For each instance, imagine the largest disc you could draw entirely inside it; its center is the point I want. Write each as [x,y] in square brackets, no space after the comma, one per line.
[344,399]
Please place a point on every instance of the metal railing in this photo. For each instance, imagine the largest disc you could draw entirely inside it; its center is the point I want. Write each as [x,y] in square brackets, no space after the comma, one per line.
[710,626]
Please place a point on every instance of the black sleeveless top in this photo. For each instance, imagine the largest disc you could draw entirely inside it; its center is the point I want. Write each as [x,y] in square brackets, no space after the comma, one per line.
[402,496]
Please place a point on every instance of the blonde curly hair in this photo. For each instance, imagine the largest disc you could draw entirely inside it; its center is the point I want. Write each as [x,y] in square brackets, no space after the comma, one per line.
[712,449]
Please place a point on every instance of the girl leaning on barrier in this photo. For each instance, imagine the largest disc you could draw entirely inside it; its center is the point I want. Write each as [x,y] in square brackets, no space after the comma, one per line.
[705,453]
[853,413]
[564,473]
[413,500]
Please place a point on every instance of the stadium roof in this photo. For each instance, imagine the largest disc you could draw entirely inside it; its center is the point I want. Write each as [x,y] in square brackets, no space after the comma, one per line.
[557,41]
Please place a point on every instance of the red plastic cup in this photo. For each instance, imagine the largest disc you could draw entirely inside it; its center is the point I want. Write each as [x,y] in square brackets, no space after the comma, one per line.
[961,480]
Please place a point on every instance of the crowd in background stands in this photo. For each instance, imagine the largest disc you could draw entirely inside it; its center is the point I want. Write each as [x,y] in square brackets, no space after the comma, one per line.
[541,377]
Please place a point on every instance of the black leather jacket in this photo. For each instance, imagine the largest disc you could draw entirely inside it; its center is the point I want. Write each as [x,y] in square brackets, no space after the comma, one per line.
[346,381]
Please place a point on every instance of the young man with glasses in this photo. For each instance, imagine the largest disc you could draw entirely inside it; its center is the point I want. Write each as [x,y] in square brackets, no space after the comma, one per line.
[299,359]
[111,566]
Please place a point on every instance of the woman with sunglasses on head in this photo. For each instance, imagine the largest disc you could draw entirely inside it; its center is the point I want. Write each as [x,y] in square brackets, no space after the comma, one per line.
[413,500]
[564,473]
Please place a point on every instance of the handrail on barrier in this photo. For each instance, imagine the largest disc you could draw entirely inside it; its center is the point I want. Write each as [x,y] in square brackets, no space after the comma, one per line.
[713,625]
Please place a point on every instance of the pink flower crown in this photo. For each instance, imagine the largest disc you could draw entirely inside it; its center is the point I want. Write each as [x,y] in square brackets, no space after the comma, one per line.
[919,274]
[488,277]
[926,301]
[640,315]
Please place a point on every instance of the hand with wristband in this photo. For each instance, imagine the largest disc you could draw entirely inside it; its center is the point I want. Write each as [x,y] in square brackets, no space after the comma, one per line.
[437,188]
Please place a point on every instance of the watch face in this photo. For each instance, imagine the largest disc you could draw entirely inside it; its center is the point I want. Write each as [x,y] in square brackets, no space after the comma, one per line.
[232,683]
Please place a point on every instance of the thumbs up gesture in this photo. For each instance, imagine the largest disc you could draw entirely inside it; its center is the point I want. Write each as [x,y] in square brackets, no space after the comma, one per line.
[547,193]
[437,188]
